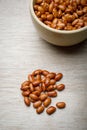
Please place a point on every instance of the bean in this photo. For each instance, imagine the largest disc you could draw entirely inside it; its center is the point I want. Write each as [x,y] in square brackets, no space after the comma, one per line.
[50,88]
[38,88]
[51,7]
[37,93]
[43,16]
[43,96]
[38,77]
[58,76]
[43,87]
[51,75]
[41,9]
[60,87]
[30,78]
[27,101]
[52,93]
[37,104]
[25,83]
[36,83]
[31,88]
[51,110]
[40,109]
[39,1]
[26,93]
[49,17]
[38,71]
[60,105]
[47,81]
[24,88]
[47,102]
[52,81]
[34,97]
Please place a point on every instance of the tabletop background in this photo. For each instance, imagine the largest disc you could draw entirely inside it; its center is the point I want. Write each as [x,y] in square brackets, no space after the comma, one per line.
[21,52]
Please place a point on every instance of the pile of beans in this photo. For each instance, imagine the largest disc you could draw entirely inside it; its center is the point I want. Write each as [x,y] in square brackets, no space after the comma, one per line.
[62,14]
[40,88]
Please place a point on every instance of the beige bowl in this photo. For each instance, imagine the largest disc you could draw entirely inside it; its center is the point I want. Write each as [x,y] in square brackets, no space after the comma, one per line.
[57,37]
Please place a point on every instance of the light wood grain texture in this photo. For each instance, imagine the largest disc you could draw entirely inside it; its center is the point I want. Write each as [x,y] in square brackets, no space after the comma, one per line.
[21,52]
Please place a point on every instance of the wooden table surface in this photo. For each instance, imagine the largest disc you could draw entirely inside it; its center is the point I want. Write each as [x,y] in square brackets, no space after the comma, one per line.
[21,52]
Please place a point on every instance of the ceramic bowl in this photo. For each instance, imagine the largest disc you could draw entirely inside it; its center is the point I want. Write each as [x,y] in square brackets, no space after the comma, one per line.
[57,37]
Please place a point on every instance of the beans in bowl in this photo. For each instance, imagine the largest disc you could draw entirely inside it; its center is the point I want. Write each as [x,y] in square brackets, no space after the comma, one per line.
[62,14]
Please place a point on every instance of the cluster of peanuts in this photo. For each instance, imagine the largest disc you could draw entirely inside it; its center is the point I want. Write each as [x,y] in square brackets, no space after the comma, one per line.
[62,14]
[40,88]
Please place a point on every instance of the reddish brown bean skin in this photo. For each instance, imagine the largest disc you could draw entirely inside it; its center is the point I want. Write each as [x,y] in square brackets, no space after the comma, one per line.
[60,105]
[58,76]
[43,96]
[50,110]
[36,72]
[45,72]
[24,88]
[34,97]
[43,86]
[26,93]
[60,87]
[27,101]
[50,88]
[30,78]
[37,104]
[51,75]
[40,109]
[52,93]
[47,102]
[52,81]
[36,93]
[31,88]
[36,83]
[25,83]
[47,81]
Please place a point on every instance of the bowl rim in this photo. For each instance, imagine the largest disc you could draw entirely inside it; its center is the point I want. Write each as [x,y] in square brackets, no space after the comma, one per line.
[51,29]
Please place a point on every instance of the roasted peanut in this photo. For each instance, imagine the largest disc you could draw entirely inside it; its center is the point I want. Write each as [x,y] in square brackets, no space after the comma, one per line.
[43,96]
[51,110]
[52,93]
[27,101]
[37,104]
[40,109]
[60,105]
[60,87]
[47,102]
